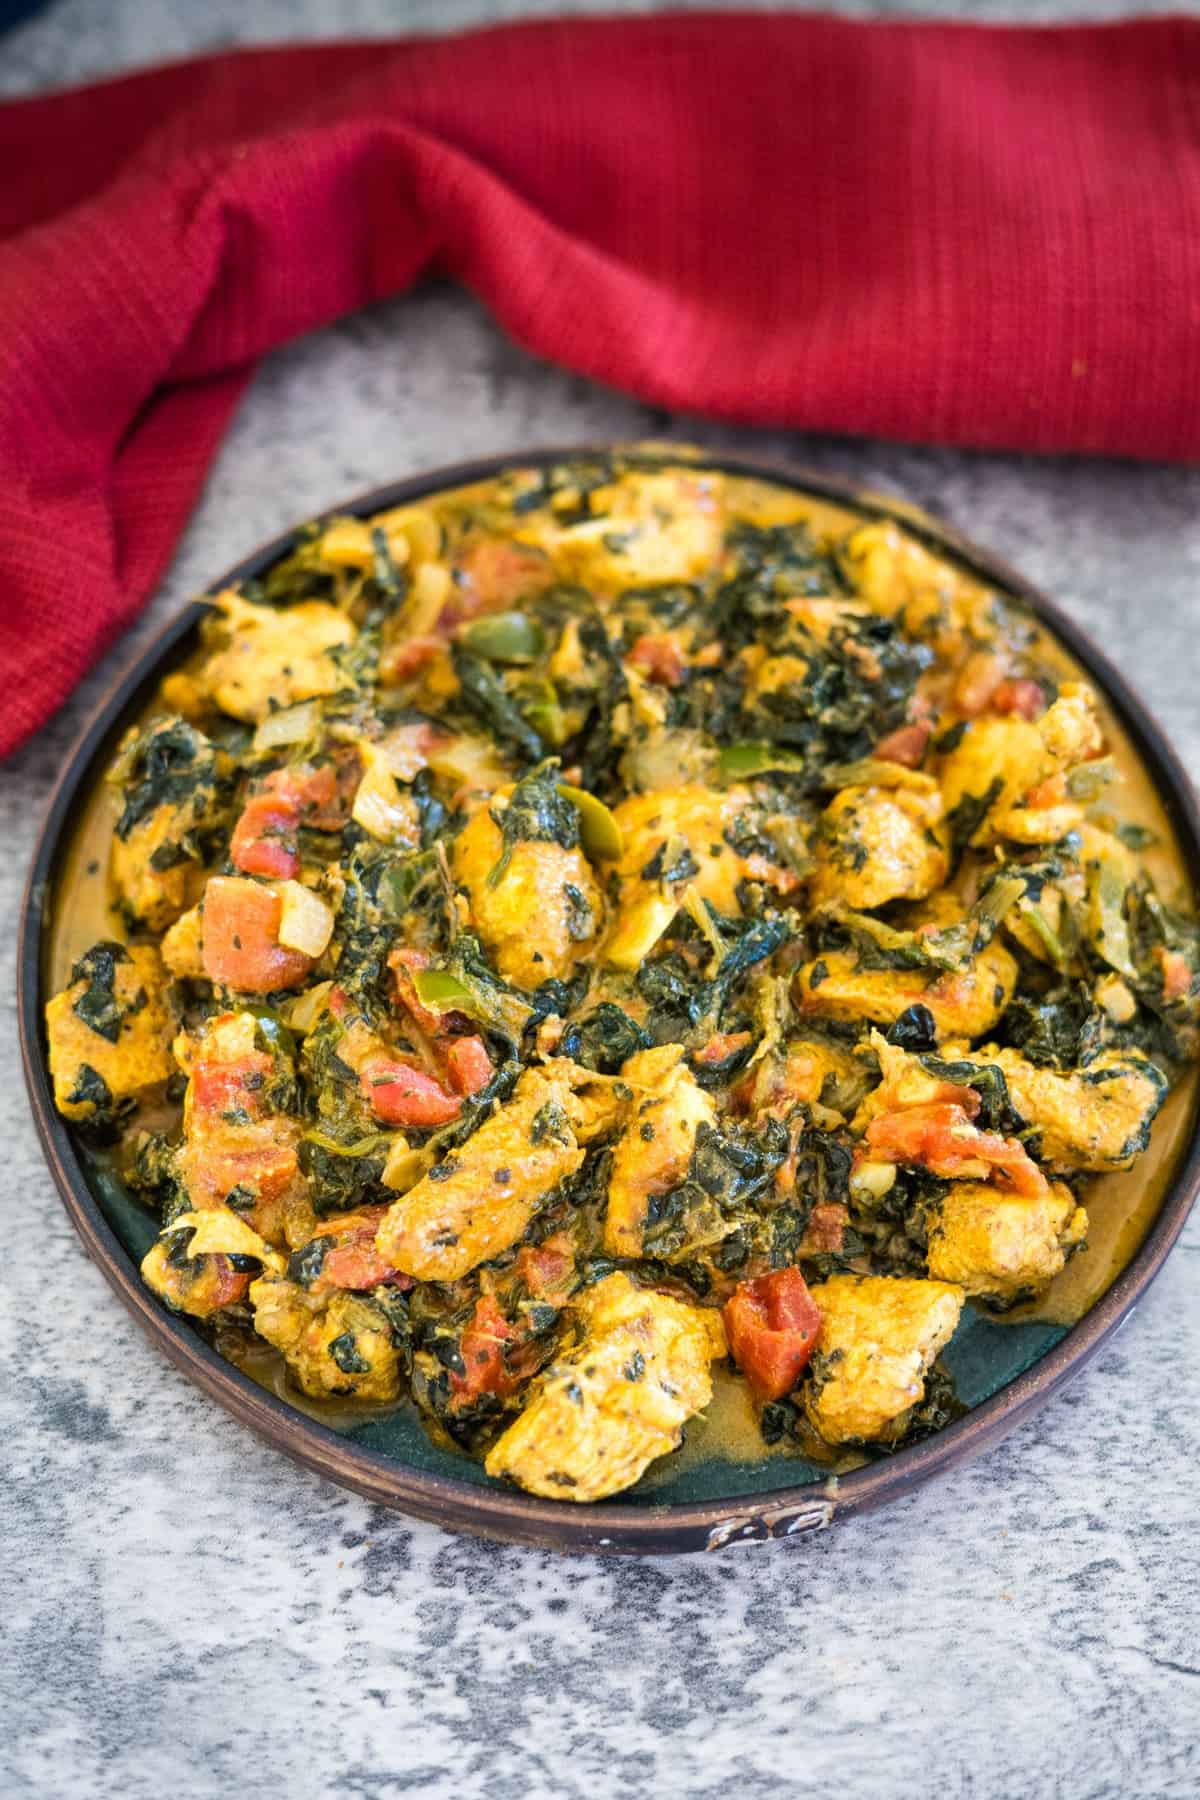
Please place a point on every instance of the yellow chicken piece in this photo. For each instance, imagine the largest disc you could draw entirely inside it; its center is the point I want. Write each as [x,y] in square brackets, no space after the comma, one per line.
[1003,1245]
[155,864]
[879,1337]
[653,1153]
[130,1054]
[673,841]
[182,947]
[621,1399]
[479,1201]
[339,1344]
[275,656]
[1097,1118]
[541,913]
[1013,757]
[895,574]
[668,525]
[881,844]
[964,1002]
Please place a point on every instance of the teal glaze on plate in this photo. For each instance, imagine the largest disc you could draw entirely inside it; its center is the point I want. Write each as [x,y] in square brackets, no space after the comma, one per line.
[982,1356]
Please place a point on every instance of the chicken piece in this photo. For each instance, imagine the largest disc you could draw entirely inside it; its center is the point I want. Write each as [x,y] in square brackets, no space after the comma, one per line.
[964,1002]
[182,946]
[172,789]
[603,1413]
[880,844]
[674,841]
[809,1071]
[653,1153]
[895,574]
[1008,762]
[1003,1245]
[238,1149]
[666,525]
[274,657]
[479,1201]
[536,907]
[334,1345]
[879,1337]
[1098,1117]
[109,1032]
[200,1263]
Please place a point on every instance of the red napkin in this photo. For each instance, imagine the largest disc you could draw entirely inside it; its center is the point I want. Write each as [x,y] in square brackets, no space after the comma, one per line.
[976,236]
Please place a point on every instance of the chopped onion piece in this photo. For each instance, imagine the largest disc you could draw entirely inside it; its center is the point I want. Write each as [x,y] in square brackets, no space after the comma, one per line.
[305,921]
[293,725]
[379,807]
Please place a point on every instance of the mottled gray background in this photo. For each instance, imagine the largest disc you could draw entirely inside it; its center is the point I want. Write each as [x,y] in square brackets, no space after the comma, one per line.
[185,1613]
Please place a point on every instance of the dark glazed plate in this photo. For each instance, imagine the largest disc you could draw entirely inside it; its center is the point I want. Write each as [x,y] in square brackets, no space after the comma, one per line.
[1004,1372]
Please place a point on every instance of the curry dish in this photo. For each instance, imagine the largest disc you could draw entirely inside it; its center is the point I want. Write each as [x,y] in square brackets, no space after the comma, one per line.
[612,923]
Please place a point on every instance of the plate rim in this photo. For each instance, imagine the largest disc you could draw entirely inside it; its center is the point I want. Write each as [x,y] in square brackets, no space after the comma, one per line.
[509,1515]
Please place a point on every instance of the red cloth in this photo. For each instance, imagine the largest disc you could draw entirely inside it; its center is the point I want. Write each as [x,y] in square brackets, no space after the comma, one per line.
[979,236]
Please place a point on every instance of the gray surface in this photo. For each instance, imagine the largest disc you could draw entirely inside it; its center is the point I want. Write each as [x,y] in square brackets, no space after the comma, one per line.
[186,1613]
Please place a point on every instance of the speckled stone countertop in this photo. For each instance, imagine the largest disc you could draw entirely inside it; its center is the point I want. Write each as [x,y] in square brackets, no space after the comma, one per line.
[186,1613]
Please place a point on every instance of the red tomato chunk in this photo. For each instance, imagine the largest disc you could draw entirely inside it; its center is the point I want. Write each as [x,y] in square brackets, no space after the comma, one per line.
[241,931]
[772,1324]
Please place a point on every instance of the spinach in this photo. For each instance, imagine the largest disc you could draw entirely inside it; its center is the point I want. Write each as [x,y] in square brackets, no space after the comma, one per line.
[91,1089]
[97,1006]
[964,819]
[538,812]
[347,1355]
[167,765]
[915,1029]
[486,696]
[680,1002]
[996,1110]
[1062,1029]
[604,1040]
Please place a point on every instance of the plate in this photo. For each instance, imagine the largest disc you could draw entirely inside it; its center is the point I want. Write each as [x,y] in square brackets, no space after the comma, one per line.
[1004,1372]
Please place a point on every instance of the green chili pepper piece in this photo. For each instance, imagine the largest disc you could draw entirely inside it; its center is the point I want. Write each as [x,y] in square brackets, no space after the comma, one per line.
[599,832]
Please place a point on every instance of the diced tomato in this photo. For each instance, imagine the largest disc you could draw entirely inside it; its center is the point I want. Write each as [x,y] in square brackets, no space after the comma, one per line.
[825,1230]
[400,1095]
[1052,792]
[493,573]
[721,1046]
[402,661]
[241,930]
[224,1285]
[404,964]
[354,1262]
[544,1268]
[264,838]
[659,658]
[467,1064]
[940,1137]
[772,1324]
[482,1347]
[224,1087]
[319,793]
[1176,973]
[905,745]
[1022,696]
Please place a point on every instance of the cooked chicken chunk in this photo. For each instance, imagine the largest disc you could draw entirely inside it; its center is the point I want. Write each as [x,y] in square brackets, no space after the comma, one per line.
[881,844]
[479,1201]
[110,1031]
[339,1344]
[997,1243]
[274,656]
[171,790]
[674,841]
[878,1339]
[653,1153]
[662,526]
[1098,1117]
[536,907]
[964,1002]
[622,1398]
[1005,766]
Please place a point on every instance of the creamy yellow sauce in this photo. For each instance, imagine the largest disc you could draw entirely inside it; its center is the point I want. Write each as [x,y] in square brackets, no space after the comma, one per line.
[1121,1207]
